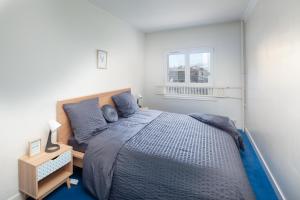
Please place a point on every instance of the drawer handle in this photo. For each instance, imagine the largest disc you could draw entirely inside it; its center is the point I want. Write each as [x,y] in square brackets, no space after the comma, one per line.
[54,158]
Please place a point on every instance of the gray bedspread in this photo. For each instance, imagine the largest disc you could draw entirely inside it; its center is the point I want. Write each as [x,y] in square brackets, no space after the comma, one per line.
[167,156]
[223,123]
[100,156]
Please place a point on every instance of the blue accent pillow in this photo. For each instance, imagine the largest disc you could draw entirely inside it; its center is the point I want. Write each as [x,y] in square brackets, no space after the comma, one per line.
[110,113]
[126,104]
[86,119]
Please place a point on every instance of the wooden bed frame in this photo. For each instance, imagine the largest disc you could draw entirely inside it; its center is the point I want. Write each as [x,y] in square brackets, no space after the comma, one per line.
[65,131]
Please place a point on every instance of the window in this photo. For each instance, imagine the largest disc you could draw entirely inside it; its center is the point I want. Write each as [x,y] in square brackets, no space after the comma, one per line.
[176,68]
[190,67]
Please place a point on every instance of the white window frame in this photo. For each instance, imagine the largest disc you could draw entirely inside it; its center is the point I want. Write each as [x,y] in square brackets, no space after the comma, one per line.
[187,52]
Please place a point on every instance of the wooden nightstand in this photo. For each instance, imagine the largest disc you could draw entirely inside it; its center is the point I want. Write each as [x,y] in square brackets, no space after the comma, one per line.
[41,174]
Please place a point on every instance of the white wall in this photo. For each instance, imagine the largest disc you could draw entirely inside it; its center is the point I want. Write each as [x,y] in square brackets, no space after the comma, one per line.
[47,53]
[273,85]
[226,41]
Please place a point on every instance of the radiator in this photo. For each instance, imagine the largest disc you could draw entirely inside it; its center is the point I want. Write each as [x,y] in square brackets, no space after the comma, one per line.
[199,92]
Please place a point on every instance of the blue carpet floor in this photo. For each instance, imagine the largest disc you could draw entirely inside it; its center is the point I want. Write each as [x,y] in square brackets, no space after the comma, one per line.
[257,177]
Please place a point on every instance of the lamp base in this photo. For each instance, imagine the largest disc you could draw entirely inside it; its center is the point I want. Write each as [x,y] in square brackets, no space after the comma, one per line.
[50,147]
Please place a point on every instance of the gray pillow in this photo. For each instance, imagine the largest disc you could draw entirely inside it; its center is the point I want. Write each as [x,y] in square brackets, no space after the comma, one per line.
[126,104]
[86,119]
[110,113]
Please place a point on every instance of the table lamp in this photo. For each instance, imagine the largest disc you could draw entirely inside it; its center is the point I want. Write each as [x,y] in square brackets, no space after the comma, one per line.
[53,126]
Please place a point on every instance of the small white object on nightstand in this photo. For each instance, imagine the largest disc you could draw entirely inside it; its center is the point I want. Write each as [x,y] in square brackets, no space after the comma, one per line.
[144,108]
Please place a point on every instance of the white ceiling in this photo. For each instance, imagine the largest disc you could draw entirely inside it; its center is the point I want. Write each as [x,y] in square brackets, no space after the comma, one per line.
[156,15]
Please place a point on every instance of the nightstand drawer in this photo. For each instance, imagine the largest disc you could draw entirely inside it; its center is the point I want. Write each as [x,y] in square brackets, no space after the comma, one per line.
[52,165]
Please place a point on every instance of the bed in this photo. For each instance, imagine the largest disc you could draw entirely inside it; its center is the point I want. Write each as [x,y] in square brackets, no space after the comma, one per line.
[159,155]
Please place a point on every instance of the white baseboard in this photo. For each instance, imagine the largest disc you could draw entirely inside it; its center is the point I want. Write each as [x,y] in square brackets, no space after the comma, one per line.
[16,197]
[271,178]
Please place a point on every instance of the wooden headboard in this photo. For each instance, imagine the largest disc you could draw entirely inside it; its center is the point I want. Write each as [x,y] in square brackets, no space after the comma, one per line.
[65,131]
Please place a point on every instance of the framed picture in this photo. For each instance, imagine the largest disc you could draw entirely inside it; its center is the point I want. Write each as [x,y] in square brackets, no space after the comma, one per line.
[35,147]
[102,59]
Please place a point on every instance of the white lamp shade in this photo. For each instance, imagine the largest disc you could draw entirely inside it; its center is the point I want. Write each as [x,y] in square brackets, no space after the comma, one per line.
[54,125]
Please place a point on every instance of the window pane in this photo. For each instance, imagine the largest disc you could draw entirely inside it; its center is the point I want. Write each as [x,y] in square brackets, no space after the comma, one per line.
[199,67]
[176,68]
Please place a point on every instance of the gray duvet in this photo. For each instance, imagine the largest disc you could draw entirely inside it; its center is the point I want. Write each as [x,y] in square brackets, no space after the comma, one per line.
[168,156]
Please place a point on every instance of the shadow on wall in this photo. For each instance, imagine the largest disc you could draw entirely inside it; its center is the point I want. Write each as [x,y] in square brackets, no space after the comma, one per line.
[226,107]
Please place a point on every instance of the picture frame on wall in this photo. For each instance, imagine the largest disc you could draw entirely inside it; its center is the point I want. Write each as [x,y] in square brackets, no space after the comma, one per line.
[102,57]
[35,147]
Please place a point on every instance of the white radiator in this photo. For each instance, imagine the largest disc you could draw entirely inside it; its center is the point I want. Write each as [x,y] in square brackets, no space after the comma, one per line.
[199,92]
